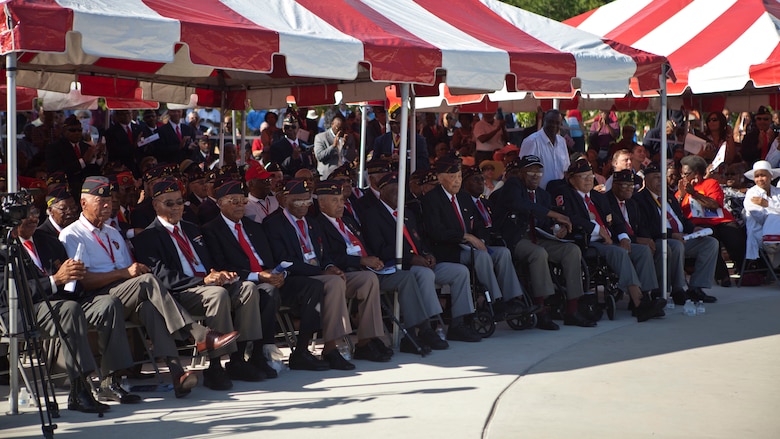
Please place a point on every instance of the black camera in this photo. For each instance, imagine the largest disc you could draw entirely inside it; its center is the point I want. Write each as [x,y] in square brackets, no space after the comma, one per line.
[15,208]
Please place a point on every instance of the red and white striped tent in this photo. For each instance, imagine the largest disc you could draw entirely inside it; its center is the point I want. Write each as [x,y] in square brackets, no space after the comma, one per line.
[712,45]
[306,48]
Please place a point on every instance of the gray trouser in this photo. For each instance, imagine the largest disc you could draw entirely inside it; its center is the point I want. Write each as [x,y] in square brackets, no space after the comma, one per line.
[620,261]
[75,326]
[457,277]
[410,298]
[105,314]
[536,257]
[144,298]
[495,271]
[704,250]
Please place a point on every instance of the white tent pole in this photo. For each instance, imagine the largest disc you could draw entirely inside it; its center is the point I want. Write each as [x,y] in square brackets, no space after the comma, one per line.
[13,299]
[399,224]
[413,140]
[243,136]
[222,131]
[233,132]
[664,188]
[362,158]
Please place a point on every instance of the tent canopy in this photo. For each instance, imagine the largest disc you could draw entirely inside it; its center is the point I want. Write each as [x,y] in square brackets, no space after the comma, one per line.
[307,49]
[712,45]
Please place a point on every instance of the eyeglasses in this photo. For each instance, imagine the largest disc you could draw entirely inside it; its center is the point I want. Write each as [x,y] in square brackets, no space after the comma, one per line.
[236,201]
[535,173]
[171,203]
[302,203]
[583,176]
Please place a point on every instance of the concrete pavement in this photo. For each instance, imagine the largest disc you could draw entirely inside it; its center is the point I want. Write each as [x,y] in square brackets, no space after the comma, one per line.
[712,376]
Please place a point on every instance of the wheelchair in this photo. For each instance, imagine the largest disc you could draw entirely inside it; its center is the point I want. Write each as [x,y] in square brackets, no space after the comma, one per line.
[602,280]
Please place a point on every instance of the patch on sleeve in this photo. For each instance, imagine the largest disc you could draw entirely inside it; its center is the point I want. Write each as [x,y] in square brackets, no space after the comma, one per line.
[559,200]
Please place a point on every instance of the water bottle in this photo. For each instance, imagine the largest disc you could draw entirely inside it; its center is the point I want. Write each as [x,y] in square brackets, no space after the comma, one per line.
[274,357]
[24,397]
[689,309]
[125,383]
[670,303]
[700,308]
[440,333]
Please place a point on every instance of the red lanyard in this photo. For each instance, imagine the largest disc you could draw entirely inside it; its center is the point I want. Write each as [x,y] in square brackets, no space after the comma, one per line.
[265,205]
[109,250]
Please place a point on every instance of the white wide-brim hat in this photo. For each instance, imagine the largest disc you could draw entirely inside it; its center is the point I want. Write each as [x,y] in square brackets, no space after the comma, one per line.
[762,165]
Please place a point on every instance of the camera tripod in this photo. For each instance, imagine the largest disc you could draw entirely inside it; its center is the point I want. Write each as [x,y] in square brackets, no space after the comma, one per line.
[17,267]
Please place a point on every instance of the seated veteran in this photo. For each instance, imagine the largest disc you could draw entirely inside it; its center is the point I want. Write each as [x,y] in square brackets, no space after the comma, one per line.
[62,210]
[260,202]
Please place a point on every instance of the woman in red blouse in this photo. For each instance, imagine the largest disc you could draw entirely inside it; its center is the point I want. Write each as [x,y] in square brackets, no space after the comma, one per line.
[702,202]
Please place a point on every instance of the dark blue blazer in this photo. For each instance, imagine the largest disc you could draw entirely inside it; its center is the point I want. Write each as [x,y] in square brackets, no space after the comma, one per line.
[285,245]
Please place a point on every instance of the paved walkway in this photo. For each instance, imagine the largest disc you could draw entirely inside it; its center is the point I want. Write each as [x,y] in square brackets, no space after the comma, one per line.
[710,376]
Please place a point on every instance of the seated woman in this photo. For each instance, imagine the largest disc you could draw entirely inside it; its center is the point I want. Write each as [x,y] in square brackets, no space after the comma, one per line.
[701,200]
[734,185]
[762,212]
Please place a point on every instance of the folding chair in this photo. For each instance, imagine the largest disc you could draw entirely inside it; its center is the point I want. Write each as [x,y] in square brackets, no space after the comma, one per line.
[763,259]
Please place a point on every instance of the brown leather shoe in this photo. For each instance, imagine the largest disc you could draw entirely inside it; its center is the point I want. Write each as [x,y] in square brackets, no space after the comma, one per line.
[215,340]
[183,384]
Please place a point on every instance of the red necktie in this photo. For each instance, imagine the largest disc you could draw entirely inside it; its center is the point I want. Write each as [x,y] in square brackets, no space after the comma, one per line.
[352,238]
[186,250]
[77,150]
[254,265]
[532,219]
[764,144]
[624,212]
[36,259]
[597,217]
[302,228]
[178,132]
[672,222]
[484,212]
[407,235]
[129,134]
[457,212]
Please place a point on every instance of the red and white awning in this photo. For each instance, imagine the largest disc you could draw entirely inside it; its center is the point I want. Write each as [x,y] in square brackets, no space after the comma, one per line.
[712,45]
[268,50]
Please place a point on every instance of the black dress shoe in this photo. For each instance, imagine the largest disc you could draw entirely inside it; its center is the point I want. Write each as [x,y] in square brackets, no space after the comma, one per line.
[217,379]
[115,392]
[215,340]
[336,361]
[243,371]
[382,347]
[649,309]
[577,319]
[302,359]
[726,283]
[370,352]
[544,321]
[432,339]
[183,383]
[697,294]
[463,332]
[679,297]
[261,363]
[408,347]
[81,399]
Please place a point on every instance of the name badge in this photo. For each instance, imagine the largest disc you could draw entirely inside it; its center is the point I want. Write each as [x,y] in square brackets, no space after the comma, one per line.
[310,258]
[354,250]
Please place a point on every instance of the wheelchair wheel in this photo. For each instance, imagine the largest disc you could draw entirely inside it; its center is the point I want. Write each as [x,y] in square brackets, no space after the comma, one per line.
[609,303]
[527,321]
[483,323]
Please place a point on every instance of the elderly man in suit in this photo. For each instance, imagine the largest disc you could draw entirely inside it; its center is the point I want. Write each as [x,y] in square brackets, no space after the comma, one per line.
[177,254]
[110,270]
[177,140]
[704,249]
[48,270]
[296,239]
[381,239]
[122,142]
[350,253]
[333,147]
[74,156]
[457,233]
[520,206]
[591,215]
[387,146]
[61,208]
[289,152]
[239,245]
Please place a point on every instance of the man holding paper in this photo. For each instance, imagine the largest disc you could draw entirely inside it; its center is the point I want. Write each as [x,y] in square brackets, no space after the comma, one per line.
[176,252]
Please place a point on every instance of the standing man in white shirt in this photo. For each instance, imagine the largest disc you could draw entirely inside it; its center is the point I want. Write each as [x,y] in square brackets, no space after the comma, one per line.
[550,147]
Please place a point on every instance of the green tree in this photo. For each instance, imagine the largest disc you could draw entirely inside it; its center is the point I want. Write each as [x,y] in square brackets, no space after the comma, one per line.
[557,9]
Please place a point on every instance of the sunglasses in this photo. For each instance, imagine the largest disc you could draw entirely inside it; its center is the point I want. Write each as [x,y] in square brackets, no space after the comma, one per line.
[302,203]
[764,118]
[171,203]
